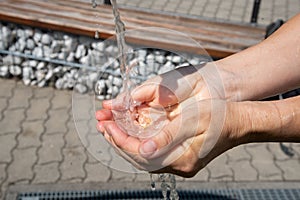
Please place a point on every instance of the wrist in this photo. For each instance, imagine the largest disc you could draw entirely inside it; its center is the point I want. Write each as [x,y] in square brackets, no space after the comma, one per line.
[236,124]
[220,82]
[231,82]
[260,121]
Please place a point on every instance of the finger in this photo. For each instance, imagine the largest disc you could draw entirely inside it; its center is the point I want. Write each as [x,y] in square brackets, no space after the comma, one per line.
[154,94]
[104,114]
[145,92]
[100,127]
[122,140]
[119,103]
[153,147]
[181,128]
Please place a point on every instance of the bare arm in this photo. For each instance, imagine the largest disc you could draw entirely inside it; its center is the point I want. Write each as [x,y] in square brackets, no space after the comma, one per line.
[276,121]
[269,68]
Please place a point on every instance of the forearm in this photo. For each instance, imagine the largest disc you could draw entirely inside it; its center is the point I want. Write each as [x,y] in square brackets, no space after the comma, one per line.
[271,121]
[264,70]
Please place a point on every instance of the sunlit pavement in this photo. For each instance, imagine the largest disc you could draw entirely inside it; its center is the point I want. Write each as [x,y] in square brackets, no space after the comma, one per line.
[39,145]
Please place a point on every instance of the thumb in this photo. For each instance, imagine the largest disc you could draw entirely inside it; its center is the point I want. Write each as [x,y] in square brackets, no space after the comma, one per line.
[154,93]
[184,126]
[145,92]
[163,142]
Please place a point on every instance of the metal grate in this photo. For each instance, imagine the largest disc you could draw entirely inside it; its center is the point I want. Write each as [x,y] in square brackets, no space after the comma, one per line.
[221,194]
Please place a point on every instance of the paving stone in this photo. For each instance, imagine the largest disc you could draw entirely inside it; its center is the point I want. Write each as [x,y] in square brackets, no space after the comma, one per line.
[72,166]
[263,162]
[21,97]
[38,109]
[2,173]
[73,180]
[47,173]
[30,136]
[275,149]
[62,99]
[195,12]
[83,109]
[223,173]
[143,177]
[7,143]
[243,171]
[72,138]
[145,4]
[160,3]
[117,175]
[11,122]
[21,167]
[290,169]
[3,105]
[96,173]
[90,158]
[57,121]
[296,148]
[215,9]
[51,148]
[6,87]
[46,92]
[98,148]
[203,175]
[238,153]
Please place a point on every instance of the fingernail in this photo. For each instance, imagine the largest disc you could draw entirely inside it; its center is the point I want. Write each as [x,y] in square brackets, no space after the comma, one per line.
[148,148]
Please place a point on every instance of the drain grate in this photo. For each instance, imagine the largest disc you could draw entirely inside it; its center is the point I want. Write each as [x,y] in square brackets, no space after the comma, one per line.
[210,194]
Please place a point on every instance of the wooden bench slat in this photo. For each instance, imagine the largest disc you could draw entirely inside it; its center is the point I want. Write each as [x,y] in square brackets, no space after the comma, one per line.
[57,11]
[78,17]
[210,27]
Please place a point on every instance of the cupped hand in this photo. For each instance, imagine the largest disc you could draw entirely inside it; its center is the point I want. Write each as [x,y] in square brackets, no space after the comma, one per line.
[193,127]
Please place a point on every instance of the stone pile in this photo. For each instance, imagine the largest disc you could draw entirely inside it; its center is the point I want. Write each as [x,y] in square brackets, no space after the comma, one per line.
[85,64]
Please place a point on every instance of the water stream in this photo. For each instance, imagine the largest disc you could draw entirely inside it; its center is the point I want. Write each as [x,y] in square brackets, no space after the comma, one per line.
[168,181]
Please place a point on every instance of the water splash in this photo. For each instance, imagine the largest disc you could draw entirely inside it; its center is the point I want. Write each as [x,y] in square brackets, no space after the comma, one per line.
[152,183]
[97,35]
[167,186]
[168,183]
[94,4]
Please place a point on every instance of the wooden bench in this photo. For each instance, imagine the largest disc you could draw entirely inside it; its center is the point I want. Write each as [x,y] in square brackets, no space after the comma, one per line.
[78,17]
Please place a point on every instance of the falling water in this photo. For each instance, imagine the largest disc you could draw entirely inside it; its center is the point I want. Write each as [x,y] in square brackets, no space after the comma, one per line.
[122,47]
[94,4]
[168,181]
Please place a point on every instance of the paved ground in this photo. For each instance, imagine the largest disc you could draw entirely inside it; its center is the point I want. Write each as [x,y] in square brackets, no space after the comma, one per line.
[39,145]
[231,10]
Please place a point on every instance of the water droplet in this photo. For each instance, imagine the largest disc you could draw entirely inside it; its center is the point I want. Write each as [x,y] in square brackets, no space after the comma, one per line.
[97,34]
[94,4]
[152,182]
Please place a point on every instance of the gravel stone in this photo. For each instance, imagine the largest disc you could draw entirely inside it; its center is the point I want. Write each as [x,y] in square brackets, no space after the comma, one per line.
[75,49]
[4,71]
[80,51]
[30,44]
[15,70]
[38,52]
[46,39]
[81,88]
[8,60]
[37,36]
